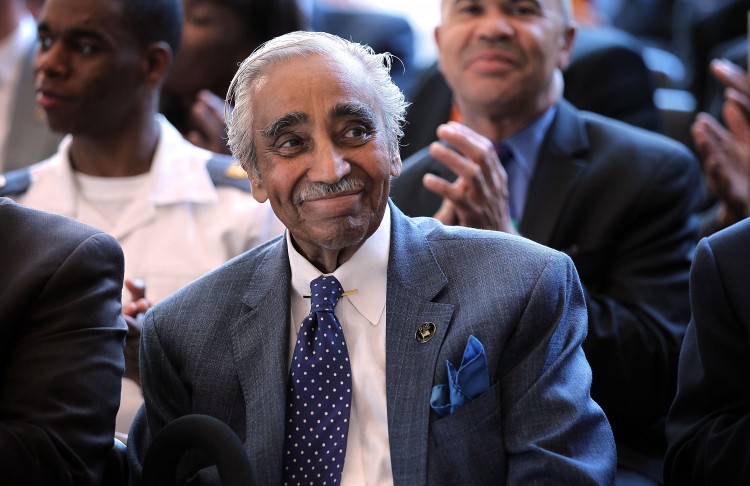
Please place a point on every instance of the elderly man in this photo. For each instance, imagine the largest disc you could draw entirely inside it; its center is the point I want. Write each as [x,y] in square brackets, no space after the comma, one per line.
[620,201]
[453,355]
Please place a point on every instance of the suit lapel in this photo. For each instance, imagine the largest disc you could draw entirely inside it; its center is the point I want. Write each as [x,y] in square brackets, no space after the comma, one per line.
[557,172]
[260,348]
[414,279]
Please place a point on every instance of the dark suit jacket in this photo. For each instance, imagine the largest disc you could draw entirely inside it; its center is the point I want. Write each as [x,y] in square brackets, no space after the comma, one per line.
[622,202]
[220,347]
[29,139]
[709,423]
[606,75]
[61,348]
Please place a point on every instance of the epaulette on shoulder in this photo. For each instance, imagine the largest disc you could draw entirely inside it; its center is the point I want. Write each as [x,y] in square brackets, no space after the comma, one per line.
[15,182]
[226,171]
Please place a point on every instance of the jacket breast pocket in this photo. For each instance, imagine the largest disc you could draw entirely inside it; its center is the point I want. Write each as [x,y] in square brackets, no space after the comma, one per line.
[467,447]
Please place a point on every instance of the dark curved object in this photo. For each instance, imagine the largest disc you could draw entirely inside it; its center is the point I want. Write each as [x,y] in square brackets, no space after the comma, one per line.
[204,432]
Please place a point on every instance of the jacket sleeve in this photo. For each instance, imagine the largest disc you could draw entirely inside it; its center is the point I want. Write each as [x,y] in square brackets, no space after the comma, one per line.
[709,424]
[637,297]
[60,382]
[552,426]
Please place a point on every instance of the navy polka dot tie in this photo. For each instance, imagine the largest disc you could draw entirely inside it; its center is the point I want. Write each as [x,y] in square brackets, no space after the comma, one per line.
[319,393]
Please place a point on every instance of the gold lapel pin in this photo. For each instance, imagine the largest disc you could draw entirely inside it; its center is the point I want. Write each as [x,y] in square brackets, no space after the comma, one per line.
[425,332]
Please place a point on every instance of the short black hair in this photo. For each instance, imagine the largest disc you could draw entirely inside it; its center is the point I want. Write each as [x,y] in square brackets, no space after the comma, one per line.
[154,21]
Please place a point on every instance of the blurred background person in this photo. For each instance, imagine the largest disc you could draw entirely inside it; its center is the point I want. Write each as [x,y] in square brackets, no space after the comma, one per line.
[216,36]
[61,357]
[368,23]
[621,201]
[709,423]
[724,150]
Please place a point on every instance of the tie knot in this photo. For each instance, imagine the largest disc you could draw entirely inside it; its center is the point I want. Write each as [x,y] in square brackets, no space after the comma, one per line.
[324,293]
[503,152]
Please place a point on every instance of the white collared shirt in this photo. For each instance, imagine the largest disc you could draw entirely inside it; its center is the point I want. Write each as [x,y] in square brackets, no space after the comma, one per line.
[362,316]
[12,54]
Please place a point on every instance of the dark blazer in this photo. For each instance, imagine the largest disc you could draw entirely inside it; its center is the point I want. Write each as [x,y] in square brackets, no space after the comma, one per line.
[220,347]
[61,348]
[606,75]
[709,423]
[622,202]
[29,139]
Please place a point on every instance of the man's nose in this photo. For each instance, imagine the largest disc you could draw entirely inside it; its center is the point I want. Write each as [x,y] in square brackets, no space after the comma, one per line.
[51,60]
[329,164]
[495,24]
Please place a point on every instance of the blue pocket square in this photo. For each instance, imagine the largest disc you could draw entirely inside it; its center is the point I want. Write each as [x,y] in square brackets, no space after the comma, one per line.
[470,380]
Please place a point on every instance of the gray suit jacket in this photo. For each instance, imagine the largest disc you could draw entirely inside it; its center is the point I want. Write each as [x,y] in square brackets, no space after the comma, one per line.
[220,347]
[29,140]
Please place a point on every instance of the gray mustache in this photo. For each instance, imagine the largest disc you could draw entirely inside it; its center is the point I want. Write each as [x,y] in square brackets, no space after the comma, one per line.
[320,189]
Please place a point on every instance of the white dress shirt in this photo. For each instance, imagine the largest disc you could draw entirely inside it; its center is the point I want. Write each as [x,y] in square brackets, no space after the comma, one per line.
[362,317]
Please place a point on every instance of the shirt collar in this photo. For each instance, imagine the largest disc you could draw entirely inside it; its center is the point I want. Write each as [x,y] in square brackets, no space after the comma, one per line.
[179,170]
[527,142]
[366,271]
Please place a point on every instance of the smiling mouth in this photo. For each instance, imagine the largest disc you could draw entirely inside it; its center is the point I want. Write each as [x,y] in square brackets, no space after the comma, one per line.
[320,191]
[332,196]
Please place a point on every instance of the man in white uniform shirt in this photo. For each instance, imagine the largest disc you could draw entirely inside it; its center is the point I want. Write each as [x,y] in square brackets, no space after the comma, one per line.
[123,168]
[372,389]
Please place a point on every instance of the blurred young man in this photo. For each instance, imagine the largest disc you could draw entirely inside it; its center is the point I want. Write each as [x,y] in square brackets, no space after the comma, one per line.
[124,168]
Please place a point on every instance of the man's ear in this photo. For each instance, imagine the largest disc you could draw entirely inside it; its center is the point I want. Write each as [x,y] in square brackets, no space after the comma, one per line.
[566,50]
[157,61]
[258,191]
[396,165]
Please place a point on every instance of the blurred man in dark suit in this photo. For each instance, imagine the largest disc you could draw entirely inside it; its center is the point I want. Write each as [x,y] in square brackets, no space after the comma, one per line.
[61,348]
[709,423]
[621,201]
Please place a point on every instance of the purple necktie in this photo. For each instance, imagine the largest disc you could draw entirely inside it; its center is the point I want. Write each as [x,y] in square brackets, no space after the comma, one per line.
[319,393]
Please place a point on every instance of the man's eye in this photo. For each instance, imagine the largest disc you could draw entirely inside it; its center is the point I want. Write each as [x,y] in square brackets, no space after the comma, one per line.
[84,48]
[45,42]
[356,132]
[288,146]
[199,20]
[472,9]
[525,8]
[293,142]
